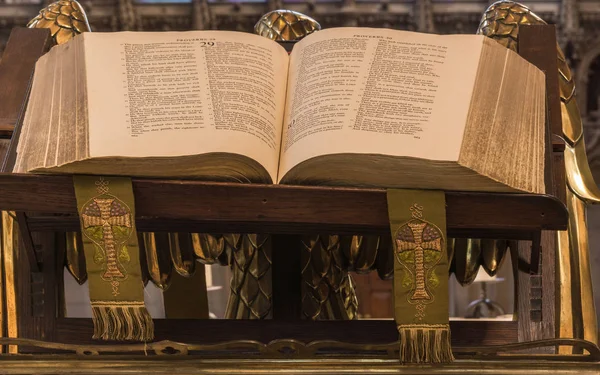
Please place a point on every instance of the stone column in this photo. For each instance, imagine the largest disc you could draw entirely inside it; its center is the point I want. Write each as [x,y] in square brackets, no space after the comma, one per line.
[202,18]
[424,16]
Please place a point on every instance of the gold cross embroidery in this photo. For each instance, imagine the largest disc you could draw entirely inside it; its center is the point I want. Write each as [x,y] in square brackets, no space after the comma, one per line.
[107,219]
[419,246]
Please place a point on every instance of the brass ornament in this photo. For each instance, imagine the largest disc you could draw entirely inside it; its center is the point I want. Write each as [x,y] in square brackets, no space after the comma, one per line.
[210,249]
[143,263]
[493,254]
[450,251]
[285,25]
[361,251]
[75,257]
[501,22]
[291,356]
[251,295]
[249,257]
[468,256]
[158,262]
[327,287]
[579,176]
[182,253]
[277,350]
[4,220]
[574,278]
[64,18]
[186,296]
[466,260]
[9,259]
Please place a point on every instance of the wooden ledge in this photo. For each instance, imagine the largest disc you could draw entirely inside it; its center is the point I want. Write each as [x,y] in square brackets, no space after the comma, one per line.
[167,365]
[184,205]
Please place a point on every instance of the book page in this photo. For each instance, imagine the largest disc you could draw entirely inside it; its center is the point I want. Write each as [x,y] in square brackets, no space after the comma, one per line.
[185,93]
[378,91]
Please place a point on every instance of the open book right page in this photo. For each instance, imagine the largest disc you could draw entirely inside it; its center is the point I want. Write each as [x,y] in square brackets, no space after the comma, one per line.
[378,91]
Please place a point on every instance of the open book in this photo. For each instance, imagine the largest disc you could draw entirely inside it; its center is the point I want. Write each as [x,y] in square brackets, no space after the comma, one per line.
[349,106]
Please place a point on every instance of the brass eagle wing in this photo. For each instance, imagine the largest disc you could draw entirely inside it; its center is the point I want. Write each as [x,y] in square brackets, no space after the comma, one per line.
[501,22]
[64,18]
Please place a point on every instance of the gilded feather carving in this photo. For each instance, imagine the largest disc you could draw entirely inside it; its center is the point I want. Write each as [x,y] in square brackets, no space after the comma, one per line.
[64,18]
[75,257]
[251,285]
[327,287]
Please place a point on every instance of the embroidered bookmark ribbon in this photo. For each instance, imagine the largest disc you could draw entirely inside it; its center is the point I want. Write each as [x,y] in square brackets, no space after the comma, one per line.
[107,218]
[418,227]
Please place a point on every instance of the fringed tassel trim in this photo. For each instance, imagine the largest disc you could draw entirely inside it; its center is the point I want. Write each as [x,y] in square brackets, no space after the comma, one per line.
[425,343]
[122,321]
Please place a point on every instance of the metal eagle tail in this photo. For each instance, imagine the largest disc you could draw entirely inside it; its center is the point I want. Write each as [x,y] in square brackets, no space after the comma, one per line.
[251,294]
[327,288]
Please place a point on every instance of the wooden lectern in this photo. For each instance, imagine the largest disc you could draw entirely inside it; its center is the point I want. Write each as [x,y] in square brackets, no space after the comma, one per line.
[45,205]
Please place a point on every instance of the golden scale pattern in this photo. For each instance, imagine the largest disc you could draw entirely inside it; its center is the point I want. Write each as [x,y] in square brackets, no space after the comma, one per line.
[64,18]
[285,25]
[328,291]
[251,286]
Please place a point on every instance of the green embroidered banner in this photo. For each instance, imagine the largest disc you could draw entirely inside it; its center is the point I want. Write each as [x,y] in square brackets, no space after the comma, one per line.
[107,217]
[418,227]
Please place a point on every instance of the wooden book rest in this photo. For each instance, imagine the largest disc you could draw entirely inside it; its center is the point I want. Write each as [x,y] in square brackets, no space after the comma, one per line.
[45,205]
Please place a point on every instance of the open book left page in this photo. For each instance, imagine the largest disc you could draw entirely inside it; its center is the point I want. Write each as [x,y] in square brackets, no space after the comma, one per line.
[165,96]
